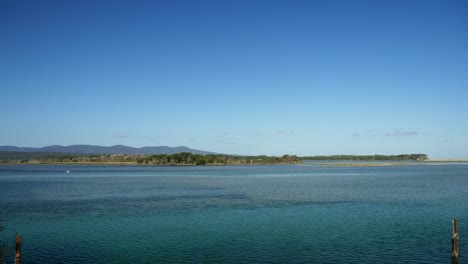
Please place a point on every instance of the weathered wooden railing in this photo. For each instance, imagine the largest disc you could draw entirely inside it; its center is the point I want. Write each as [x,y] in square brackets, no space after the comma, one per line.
[3,255]
[18,250]
[454,241]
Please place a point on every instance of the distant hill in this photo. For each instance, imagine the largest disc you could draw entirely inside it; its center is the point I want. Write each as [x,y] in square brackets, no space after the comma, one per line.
[92,149]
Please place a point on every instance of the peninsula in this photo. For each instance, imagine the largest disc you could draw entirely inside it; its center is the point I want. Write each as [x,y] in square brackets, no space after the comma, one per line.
[185,158]
[179,159]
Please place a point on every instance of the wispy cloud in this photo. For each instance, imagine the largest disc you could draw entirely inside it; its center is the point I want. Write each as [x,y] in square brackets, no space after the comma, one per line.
[377,133]
[120,136]
[284,132]
[401,133]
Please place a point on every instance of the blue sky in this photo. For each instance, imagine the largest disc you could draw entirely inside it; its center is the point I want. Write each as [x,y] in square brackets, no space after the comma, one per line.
[242,77]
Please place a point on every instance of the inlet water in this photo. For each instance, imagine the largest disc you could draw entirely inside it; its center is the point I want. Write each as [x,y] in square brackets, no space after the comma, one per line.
[235,214]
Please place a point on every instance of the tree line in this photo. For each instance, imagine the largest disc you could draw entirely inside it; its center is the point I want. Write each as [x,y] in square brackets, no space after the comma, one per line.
[187,158]
[183,158]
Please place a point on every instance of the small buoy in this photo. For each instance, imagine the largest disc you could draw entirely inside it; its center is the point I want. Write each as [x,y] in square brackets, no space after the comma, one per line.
[68,171]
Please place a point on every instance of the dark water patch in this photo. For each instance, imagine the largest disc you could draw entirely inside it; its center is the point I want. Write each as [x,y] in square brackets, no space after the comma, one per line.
[117,203]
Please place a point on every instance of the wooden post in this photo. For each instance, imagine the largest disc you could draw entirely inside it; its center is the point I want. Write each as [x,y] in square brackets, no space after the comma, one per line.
[454,241]
[18,250]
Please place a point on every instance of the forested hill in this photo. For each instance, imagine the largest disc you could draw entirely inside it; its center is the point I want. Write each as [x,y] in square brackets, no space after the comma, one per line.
[401,157]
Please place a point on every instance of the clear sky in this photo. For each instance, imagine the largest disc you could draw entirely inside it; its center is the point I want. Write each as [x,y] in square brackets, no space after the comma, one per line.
[240,77]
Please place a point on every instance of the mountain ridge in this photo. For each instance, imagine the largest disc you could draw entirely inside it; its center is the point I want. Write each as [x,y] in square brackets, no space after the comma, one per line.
[115,149]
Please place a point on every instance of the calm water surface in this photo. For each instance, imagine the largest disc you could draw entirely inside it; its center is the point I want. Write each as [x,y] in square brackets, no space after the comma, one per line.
[235,214]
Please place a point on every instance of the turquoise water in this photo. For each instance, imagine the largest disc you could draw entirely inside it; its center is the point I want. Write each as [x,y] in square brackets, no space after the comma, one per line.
[235,214]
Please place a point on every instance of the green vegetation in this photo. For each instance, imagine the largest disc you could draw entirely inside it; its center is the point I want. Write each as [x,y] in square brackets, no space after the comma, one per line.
[183,158]
[186,158]
[402,157]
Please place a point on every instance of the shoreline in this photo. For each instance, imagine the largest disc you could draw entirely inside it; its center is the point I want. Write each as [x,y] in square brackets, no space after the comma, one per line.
[330,164]
[138,165]
[447,160]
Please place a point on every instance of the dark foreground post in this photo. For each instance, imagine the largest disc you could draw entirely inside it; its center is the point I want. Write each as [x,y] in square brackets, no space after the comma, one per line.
[18,250]
[454,241]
